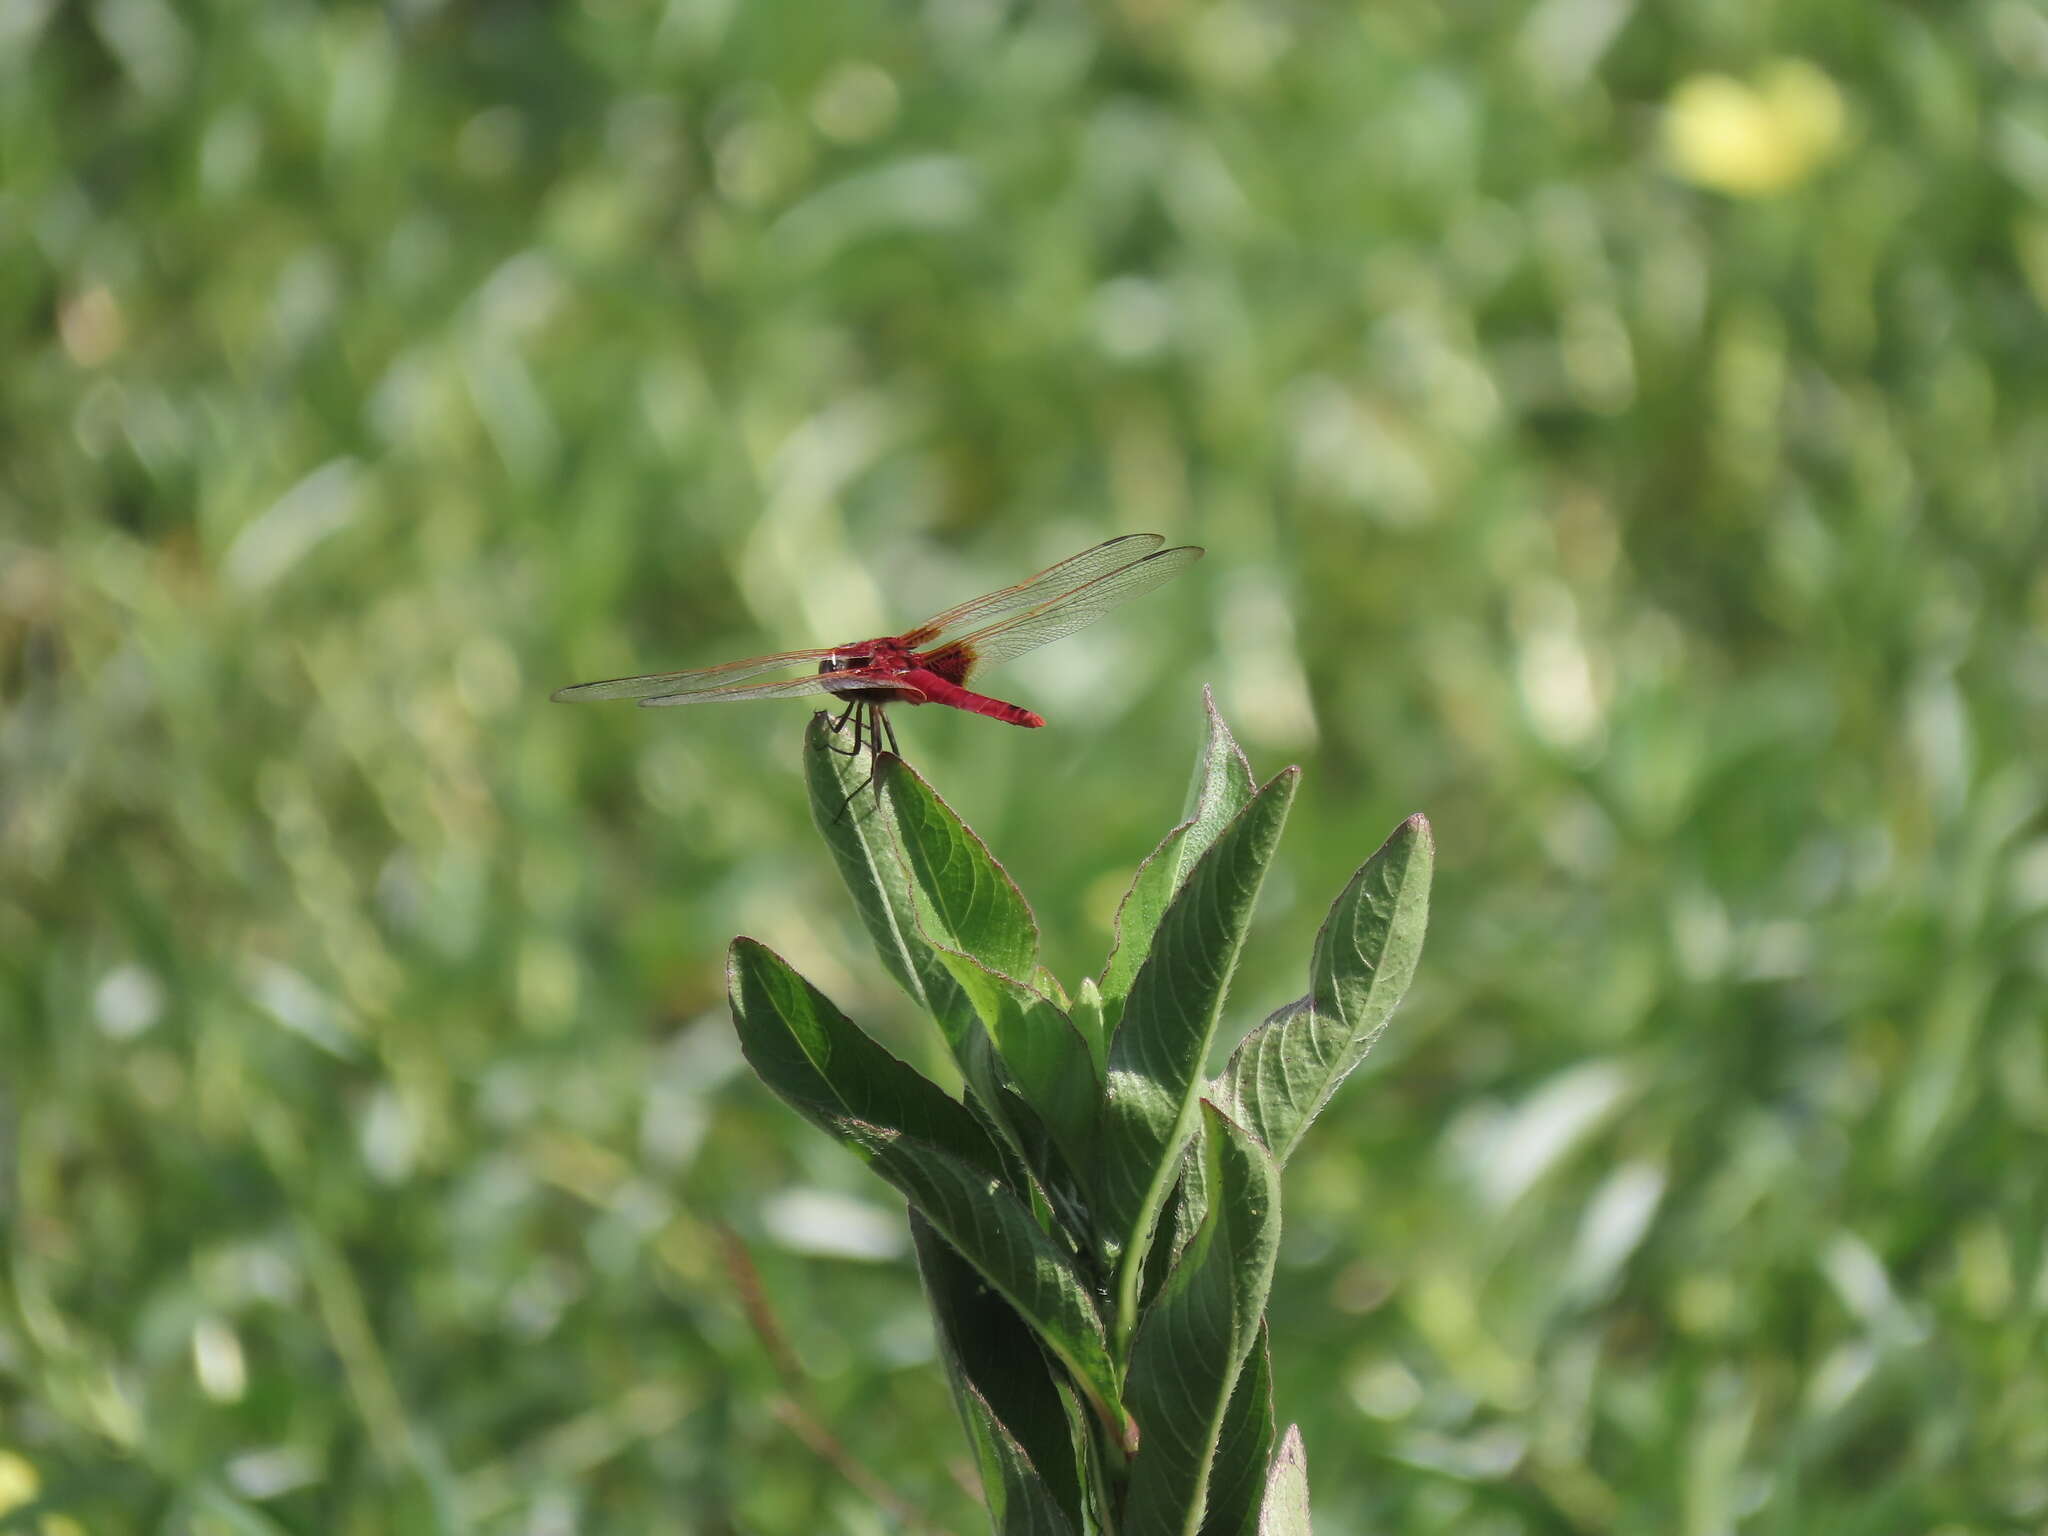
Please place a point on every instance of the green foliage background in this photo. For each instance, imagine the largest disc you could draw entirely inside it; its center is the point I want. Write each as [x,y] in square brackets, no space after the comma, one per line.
[365,373]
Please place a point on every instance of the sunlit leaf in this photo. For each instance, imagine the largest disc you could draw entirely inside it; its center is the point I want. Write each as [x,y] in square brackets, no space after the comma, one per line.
[1222,786]
[872,812]
[995,1232]
[1284,1072]
[829,1070]
[848,809]
[1049,984]
[965,900]
[925,1144]
[1044,1054]
[1157,1054]
[1088,1019]
[1284,1510]
[1194,1338]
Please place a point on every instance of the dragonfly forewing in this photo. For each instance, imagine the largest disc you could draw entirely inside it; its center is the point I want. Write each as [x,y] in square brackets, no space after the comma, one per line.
[836,683]
[696,680]
[1060,616]
[1034,591]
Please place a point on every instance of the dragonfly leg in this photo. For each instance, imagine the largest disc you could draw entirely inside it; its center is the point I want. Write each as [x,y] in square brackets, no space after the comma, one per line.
[852,711]
[877,726]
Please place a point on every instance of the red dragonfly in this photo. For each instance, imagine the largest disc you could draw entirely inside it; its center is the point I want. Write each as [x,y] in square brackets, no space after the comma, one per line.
[931,663]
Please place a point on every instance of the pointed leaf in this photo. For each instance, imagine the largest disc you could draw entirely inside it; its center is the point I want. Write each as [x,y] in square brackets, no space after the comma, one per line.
[1138,914]
[1179,1220]
[829,1069]
[1159,1051]
[994,1231]
[1189,1349]
[1049,984]
[1044,1054]
[859,825]
[966,900]
[1285,1071]
[1020,1502]
[1243,1449]
[1087,1017]
[847,808]
[927,1145]
[1222,786]
[1008,1400]
[1284,1511]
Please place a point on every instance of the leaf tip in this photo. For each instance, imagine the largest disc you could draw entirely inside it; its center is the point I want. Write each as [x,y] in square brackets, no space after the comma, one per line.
[742,955]
[1285,782]
[1414,840]
[1284,1510]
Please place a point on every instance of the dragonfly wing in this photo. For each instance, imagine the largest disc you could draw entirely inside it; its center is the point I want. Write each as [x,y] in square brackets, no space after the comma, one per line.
[1034,591]
[699,680]
[789,688]
[1060,616]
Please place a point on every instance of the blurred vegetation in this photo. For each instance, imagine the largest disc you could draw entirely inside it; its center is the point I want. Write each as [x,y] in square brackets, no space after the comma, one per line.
[1619,431]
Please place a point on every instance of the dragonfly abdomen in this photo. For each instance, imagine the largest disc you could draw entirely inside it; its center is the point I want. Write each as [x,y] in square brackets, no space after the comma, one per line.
[939,690]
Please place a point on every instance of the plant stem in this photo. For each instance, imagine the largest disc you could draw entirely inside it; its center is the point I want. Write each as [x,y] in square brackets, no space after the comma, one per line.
[1104,1456]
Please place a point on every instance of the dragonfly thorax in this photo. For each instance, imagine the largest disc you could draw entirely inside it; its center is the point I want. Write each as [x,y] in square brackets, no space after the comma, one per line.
[874,659]
[870,656]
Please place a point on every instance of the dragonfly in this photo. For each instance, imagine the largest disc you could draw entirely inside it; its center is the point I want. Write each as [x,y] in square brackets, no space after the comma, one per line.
[932,663]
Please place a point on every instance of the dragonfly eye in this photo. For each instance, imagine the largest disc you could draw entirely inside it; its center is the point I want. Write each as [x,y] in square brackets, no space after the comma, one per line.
[843,663]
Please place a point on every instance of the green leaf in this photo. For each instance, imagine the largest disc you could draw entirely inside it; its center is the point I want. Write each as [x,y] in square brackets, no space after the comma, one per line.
[1049,984]
[1087,1017]
[1189,1349]
[829,1070]
[1161,1046]
[1179,1219]
[1222,787]
[1044,1054]
[1222,784]
[966,900]
[1284,1511]
[1007,1396]
[927,1145]
[994,1231]
[1243,1448]
[1285,1071]
[951,892]
[847,807]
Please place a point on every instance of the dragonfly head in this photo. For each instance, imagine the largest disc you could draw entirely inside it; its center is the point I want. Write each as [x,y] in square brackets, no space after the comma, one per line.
[847,661]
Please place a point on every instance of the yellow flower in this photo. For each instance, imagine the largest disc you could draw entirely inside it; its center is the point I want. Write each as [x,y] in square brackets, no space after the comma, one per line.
[1754,140]
[19,1485]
